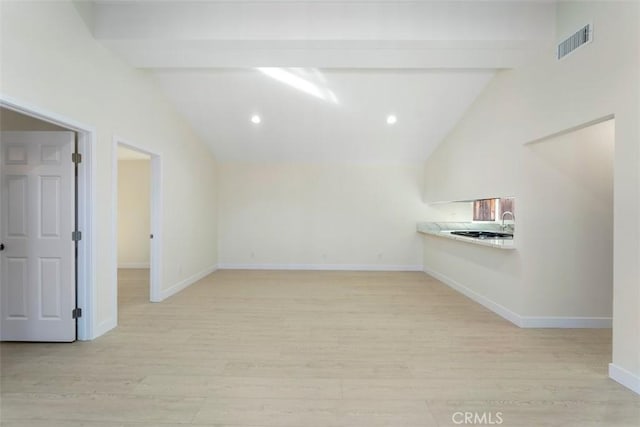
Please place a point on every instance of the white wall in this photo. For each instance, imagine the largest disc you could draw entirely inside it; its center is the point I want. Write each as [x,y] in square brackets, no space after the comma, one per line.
[566,233]
[134,213]
[457,211]
[320,215]
[50,60]
[13,121]
[491,275]
[547,97]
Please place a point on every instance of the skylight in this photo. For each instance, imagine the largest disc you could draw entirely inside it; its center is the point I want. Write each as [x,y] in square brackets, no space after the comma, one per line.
[307,80]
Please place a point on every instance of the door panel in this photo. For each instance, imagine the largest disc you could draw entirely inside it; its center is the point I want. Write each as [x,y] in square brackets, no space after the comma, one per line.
[17,205]
[49,287]
[50,155]
[50,207]
[17,275]
[16,154]
[37,218]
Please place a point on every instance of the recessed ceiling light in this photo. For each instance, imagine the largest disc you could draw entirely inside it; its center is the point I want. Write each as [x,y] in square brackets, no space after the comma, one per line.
[391,119]
[255,119]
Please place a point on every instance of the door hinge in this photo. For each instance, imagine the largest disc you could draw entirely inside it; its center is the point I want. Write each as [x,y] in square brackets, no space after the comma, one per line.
[76,236]
[76,158]
[76,313]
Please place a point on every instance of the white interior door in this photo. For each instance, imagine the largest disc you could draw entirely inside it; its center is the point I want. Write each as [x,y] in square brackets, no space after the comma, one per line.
[37,219]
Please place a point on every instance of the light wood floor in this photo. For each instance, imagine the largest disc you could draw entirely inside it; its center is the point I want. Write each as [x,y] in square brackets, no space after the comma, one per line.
[249,348]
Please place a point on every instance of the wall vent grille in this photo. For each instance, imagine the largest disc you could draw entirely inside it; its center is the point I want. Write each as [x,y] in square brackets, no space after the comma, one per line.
[581,37]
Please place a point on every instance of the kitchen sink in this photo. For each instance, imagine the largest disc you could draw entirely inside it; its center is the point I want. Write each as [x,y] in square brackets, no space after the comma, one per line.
[483,234]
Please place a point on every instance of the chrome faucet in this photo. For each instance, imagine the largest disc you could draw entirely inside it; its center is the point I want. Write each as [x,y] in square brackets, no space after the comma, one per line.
[513,217]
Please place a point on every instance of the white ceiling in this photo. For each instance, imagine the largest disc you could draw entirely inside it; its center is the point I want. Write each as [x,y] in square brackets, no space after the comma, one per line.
[299,127]
[322,34]
[425,61]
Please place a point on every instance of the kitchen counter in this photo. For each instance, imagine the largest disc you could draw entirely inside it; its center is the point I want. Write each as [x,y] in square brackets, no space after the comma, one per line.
[444,229]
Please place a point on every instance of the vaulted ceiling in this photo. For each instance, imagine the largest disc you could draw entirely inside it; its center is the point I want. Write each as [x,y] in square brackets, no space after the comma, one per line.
[322,76]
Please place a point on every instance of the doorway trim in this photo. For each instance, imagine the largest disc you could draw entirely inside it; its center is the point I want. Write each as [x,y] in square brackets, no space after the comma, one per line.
[155,253]
[88,328]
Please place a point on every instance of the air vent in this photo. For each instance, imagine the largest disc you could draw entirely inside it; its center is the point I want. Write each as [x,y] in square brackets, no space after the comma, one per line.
[581,37]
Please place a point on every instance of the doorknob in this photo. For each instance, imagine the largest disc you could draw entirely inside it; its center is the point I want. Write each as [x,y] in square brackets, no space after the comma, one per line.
[151,236]
[1,246]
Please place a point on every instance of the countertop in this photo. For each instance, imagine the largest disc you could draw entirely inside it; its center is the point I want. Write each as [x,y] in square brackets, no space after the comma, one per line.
[444,229]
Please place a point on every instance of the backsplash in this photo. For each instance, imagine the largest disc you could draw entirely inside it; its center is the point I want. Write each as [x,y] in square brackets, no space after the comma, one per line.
[463,211]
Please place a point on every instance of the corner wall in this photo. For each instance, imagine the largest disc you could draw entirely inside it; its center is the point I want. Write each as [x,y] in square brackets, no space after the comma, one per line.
[51,61]
[567,227]
[13,121]
[547,97]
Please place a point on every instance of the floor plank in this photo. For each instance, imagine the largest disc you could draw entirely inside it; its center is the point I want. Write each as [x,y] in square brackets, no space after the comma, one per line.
[269,348]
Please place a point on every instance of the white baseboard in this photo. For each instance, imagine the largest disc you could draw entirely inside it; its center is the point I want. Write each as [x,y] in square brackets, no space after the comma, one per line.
[523,321]
[566,322]
[321,267]
[624,377]
[104,327]
[133,265]
[166,293]
[480,299]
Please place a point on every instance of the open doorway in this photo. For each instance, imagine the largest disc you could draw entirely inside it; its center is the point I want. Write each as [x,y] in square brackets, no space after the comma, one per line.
[46,212]
[568,227]
[136,225]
